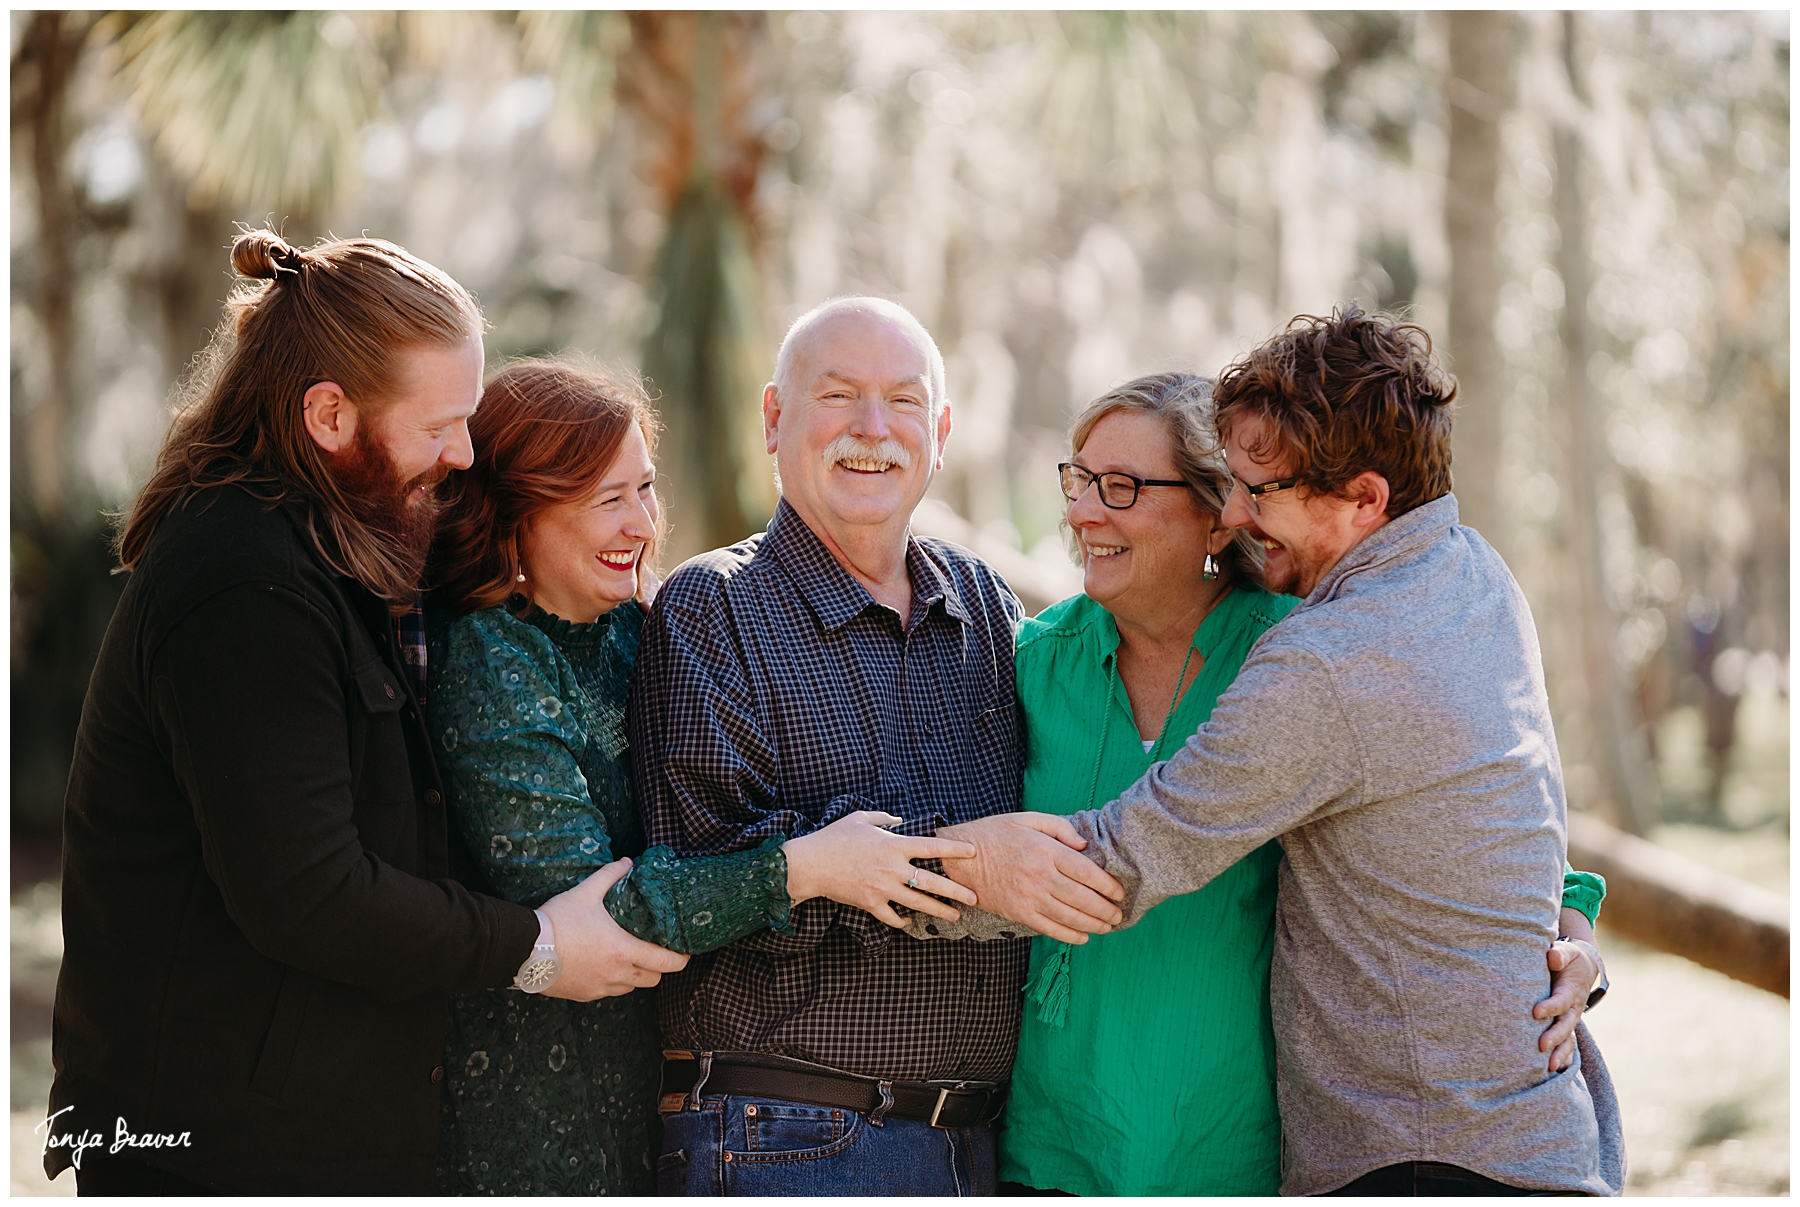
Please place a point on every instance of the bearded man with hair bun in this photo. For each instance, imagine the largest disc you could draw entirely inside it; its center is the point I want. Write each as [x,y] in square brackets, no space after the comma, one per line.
[261,929]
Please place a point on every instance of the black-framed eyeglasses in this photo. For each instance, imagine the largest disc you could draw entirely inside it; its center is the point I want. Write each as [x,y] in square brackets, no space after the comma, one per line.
[1117,490]
[1255,493]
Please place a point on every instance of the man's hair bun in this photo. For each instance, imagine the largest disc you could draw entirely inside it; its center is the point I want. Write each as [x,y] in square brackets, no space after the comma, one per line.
[263,254]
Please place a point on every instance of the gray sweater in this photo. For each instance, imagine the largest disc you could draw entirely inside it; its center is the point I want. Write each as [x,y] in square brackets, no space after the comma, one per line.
[1394,733]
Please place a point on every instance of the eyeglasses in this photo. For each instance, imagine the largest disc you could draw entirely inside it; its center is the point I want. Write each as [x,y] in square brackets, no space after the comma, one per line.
[1118,491]
[1253,494]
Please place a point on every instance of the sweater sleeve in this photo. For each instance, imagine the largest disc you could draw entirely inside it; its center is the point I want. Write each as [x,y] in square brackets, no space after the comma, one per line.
[1276,753]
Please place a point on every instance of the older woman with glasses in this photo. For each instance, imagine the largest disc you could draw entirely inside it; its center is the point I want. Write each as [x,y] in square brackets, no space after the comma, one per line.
[1146,1061]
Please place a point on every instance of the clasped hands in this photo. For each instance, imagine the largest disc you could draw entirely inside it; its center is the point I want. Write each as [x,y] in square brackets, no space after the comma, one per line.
[1022,866]
[1028,867]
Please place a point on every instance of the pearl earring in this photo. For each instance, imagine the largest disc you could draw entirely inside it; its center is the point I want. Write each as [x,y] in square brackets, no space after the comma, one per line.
[1209,571]
[521,575]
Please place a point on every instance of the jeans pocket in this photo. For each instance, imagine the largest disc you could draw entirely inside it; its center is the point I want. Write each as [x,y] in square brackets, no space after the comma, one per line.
[794,1130]
[671,1173]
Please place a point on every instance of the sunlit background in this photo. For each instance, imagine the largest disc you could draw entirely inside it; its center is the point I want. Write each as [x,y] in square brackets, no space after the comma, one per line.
[1589,213]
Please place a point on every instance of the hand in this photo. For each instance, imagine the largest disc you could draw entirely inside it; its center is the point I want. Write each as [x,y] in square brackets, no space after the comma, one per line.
[1026,868]
[856,862]
[599,959]
[1575,967]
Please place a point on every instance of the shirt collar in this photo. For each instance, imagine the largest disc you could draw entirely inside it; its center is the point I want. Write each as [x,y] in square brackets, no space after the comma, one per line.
[1213,628]
[1399,536]
[832,591]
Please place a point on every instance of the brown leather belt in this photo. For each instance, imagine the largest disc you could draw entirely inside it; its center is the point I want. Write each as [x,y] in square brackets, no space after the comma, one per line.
[687,1075]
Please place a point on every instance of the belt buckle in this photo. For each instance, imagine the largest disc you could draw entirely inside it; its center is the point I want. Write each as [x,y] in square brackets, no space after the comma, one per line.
[943,1097]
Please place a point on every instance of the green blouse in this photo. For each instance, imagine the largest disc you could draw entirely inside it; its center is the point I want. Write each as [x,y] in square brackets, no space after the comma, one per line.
[547,1096]
[1157,1039]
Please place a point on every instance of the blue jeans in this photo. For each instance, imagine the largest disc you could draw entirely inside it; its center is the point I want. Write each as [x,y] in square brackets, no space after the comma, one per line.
[769,1146]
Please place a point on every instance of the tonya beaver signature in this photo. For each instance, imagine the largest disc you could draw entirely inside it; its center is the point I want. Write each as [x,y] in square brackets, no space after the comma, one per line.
[123,1138]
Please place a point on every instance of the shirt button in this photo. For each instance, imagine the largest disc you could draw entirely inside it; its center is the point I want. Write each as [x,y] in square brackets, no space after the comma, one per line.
[432,796]
[437,1074]
[390,689]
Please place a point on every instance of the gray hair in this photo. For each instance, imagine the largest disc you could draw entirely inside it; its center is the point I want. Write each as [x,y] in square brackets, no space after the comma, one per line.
[1182,402]
[893,312]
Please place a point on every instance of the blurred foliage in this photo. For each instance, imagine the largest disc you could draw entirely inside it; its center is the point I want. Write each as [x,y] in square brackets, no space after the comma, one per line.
[252,107]
[580,51]
[63,596]
[1066,199]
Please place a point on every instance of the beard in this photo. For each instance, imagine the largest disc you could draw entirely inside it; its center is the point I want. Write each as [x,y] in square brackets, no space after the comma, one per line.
[381,501]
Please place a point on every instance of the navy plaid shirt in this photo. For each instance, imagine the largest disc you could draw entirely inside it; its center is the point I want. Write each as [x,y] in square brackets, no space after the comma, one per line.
[774,695]
[409,632]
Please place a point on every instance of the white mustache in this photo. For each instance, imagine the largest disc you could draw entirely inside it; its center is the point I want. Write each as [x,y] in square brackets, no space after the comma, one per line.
[853,448]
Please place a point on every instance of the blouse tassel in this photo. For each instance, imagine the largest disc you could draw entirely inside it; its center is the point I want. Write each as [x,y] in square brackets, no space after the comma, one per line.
[1050,988]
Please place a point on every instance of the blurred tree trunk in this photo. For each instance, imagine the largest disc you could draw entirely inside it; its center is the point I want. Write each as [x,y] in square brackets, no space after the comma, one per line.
[1477,94]
[1626,774]
[46,59]
[706,365]
[689,83]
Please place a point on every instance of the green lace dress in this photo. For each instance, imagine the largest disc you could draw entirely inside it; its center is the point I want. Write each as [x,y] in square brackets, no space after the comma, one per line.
[547,1096]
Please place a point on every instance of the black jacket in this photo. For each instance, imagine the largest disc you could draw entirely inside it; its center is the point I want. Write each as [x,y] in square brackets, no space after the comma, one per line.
[260,931]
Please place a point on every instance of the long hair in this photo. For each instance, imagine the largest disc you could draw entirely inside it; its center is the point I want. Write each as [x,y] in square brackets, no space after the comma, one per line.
[546,432]
[341,311]
[1182,403]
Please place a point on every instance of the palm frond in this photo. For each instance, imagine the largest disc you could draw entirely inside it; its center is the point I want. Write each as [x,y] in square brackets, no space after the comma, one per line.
[580,51]
[255,109]
[1115,96]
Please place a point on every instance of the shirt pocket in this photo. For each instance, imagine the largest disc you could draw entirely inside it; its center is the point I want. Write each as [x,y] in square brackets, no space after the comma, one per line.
[379,768]
[376,687]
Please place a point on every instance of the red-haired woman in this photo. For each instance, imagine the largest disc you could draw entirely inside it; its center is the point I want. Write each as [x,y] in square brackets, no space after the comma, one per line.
[543,563]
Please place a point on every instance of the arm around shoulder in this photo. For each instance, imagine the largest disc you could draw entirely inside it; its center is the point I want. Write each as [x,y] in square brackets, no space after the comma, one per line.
[1277,751]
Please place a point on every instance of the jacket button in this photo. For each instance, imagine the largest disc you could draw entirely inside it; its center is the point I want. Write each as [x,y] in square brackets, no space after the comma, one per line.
[390,690]
[432,796]
[437,1074]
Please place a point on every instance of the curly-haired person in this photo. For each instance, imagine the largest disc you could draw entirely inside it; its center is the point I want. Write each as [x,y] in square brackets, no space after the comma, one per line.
[1393,733]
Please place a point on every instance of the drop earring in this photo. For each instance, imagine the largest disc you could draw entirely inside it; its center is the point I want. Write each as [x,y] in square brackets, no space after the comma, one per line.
[522,571]
[1208,571]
